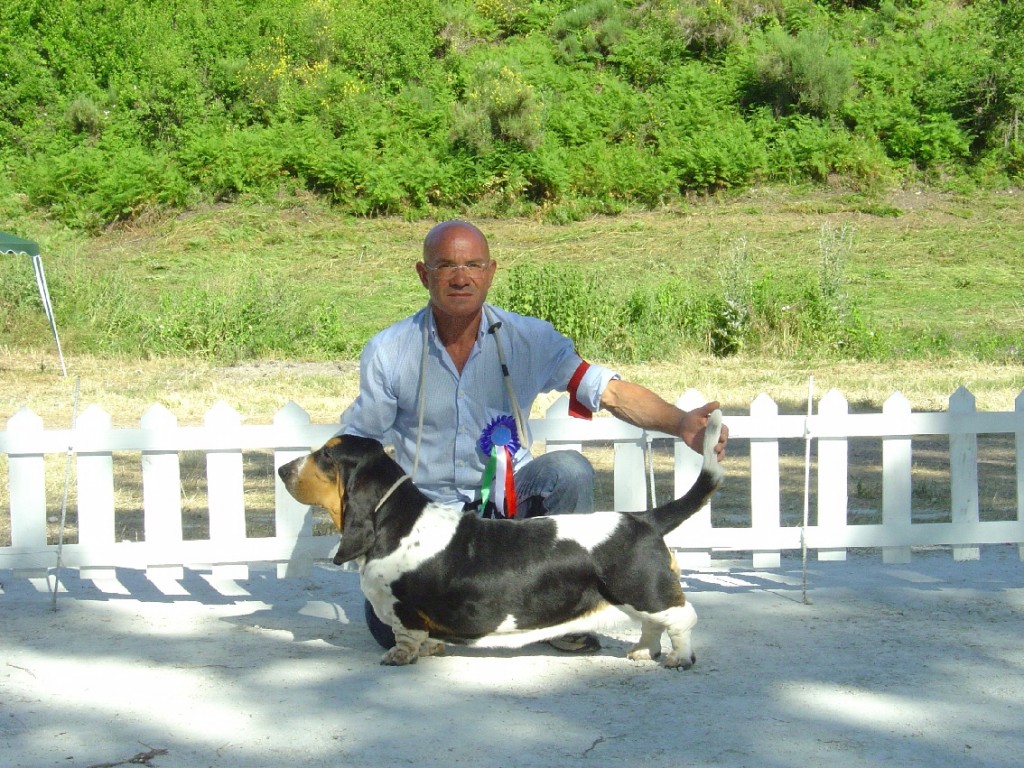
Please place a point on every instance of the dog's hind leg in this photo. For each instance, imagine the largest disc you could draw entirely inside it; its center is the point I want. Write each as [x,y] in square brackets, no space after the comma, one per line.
[432,647]
[648,647]
[679,622]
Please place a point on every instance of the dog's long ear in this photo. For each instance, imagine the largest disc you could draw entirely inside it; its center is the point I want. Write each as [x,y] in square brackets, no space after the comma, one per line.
[356,457]
[357,538]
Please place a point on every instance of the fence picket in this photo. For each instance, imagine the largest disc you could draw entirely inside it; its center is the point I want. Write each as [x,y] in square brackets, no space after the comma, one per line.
[687,467]
[225,482]
[1018,405]
[963,471]
[833,475]
[896,479]
[95,491]
[292,519]
[26,483]
[765,517]
[161,496]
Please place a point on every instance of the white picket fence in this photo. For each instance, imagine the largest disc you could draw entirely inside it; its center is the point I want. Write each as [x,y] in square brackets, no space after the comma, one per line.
[229,552]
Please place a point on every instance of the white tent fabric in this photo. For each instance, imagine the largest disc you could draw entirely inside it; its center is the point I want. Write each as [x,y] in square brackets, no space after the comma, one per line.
[9,244]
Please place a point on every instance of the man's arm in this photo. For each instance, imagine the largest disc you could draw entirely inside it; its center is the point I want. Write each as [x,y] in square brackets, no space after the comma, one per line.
[642,408]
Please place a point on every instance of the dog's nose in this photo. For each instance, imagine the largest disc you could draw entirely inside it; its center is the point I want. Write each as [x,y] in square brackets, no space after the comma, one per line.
[285,471]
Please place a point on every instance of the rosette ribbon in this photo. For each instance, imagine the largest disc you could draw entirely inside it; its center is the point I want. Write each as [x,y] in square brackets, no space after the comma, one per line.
[499,442]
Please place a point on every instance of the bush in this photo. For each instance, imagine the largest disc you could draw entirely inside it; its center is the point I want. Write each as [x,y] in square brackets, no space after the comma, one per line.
[724,155]
[90,185]
[224,162]
[807,73]
[573,300]
[802,147]
[587,32]
[499,106]
[109,110]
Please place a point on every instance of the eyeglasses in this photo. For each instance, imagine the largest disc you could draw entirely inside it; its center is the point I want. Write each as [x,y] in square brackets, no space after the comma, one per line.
[447,269]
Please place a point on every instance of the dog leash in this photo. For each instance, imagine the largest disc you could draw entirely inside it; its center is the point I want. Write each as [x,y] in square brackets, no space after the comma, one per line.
[517,413]
[391,490]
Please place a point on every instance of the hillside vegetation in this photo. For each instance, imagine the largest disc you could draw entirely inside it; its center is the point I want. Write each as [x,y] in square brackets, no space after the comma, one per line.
[112,108]
[245,178]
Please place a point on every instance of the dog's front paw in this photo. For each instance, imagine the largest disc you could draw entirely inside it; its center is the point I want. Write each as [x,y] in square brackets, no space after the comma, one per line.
[399,657]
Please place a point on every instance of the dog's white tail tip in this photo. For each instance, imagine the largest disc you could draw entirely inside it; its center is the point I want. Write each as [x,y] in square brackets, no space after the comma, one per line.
[712,433]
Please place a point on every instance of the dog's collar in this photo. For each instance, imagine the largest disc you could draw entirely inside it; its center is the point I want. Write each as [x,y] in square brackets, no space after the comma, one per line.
[391,490]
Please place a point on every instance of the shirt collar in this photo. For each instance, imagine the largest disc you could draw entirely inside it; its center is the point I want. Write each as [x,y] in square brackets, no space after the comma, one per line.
[428,318]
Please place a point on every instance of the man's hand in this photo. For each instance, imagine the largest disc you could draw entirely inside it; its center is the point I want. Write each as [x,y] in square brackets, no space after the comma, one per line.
[693,425]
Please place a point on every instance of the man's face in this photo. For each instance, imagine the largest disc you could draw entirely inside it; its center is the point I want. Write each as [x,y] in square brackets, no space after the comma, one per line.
[457,271]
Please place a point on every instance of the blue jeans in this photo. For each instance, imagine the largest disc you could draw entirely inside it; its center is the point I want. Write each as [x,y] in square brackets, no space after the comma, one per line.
[554,483]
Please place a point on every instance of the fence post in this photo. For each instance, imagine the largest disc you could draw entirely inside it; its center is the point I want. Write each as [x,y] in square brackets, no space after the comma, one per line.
[225,483]
[833,476]
[963,470]
[630,475]
[292,519]
[95,492]
[161,497]
[687,467]
[26,481]
[1018,405]
[896,487]
[560,410]
[764,483]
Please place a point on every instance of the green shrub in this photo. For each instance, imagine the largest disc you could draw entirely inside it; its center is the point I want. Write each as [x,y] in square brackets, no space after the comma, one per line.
[573,300]
[499,106]
[619,174]
[711,29]
[801,147]
[807,73]
[224,163]
[90,185]
[725,154]
[509,16]
[588,31]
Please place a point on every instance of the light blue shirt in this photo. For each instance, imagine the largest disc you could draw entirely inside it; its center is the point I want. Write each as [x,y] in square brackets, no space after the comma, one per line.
[458,407]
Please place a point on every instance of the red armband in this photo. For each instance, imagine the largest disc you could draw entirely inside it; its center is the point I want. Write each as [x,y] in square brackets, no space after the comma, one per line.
[576,408]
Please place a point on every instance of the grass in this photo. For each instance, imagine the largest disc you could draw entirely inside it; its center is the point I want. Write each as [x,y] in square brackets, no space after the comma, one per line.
[925,263]
[937,270]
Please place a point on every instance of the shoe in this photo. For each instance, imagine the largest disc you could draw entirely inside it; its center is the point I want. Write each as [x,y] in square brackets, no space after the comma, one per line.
[581,643]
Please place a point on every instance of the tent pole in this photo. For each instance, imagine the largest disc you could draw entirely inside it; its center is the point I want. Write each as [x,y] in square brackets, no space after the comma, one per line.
[44,295]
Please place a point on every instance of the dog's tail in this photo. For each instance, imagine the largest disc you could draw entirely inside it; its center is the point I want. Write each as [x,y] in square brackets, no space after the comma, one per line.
[670,516]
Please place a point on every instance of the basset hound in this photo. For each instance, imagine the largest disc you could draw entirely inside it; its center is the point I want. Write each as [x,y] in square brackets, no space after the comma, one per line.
[436,574]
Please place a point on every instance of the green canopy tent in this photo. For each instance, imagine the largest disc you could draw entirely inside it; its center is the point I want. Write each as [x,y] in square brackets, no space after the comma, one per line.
[15,245]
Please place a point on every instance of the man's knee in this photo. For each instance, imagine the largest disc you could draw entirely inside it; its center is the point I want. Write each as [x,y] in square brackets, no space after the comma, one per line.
[554,483]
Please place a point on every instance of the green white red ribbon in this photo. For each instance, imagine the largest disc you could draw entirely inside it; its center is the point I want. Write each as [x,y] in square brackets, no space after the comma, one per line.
[499,442]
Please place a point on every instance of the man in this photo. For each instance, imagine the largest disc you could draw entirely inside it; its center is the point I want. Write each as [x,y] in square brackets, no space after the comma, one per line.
[434,383]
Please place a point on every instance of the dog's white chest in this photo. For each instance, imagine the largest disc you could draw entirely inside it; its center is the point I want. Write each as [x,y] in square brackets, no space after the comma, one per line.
[431,534]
